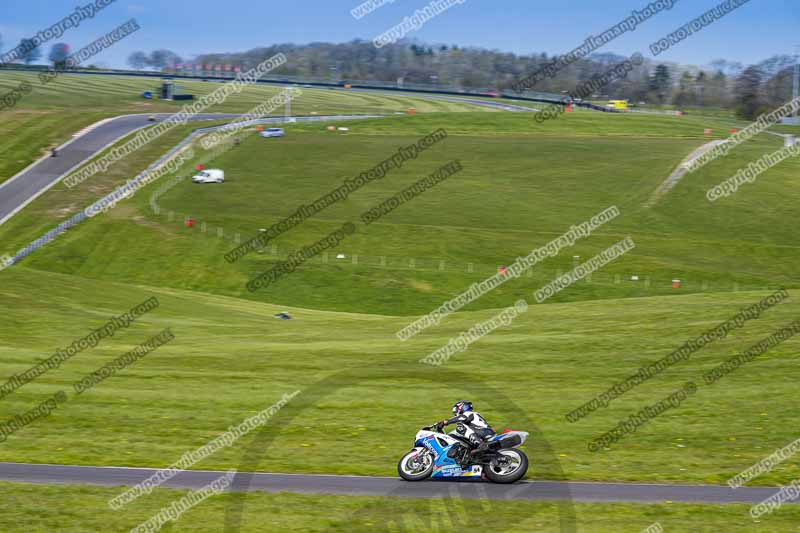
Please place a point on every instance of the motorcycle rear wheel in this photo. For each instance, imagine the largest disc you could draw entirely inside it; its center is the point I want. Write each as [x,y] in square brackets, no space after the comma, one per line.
[415,465]
[513,467]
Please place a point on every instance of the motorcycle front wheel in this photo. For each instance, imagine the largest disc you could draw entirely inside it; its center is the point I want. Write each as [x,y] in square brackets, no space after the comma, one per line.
[510,466]
[415,465]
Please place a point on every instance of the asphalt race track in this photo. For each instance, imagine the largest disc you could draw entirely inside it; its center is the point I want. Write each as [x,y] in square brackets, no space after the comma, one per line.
[37,178]
[387,486]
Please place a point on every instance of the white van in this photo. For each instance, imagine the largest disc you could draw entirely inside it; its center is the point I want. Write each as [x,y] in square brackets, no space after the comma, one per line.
[212,175]
[273,132]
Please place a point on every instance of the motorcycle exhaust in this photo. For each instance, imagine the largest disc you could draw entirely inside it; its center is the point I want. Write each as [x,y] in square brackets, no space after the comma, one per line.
[509,442]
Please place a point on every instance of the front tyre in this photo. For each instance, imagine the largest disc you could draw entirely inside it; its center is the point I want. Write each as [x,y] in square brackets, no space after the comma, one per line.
[416,465]
[510,466]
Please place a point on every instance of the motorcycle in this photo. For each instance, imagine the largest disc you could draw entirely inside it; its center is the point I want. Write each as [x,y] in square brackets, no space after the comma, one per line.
[456,455]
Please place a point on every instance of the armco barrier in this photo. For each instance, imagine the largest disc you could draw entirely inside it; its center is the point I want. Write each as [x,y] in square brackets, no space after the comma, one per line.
[548,98]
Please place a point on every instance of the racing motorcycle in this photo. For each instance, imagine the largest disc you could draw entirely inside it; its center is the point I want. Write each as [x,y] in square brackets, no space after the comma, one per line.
[450,455]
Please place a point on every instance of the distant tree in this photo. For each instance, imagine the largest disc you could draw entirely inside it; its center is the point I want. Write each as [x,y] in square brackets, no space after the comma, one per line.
[729,68]
[30,52]
[747,91]
[477,68]
[160,59]
[157,59]
[138,60]
[778,86]
[717,92]
[661,82]
[700,87]
[58,55]
[685,95]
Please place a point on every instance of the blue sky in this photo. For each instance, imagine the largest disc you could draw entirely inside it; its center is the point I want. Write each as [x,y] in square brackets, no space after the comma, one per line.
[751,33]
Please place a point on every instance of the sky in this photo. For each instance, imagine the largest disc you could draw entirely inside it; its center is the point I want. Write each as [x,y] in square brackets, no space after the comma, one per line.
[753,32]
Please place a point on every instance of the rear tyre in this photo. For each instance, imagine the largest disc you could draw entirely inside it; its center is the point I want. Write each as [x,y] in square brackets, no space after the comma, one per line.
[415,465]
[511,466]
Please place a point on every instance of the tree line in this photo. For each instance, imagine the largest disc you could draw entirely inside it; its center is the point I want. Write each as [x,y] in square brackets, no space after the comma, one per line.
[32,53]
[750,90]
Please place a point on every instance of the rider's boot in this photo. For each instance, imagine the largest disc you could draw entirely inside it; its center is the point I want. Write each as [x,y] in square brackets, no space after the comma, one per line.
[482,447]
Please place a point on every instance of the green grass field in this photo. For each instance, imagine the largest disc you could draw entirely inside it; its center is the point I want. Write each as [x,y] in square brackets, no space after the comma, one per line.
[52,112]
[523,184]
[34,509]
[232,358]
[514,194]
[120,94]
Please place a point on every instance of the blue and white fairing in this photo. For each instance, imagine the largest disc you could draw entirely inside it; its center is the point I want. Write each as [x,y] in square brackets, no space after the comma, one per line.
[438,444]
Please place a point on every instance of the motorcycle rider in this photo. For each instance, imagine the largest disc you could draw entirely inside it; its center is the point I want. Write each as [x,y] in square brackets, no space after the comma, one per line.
[465,415]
